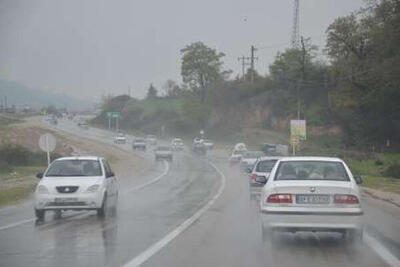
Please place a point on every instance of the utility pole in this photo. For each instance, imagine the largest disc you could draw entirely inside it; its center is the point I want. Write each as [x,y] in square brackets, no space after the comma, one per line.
[296,25]
[252,58]
[303,63]
[244,64]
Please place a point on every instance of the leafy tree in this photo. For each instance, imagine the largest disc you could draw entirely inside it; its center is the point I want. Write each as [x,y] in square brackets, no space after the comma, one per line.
[201,67]
[151,92]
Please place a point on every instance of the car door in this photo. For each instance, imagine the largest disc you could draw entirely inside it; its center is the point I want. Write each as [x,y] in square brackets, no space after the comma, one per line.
[111,182]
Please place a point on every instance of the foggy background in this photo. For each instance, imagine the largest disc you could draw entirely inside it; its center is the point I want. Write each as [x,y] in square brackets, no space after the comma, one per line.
[89,48]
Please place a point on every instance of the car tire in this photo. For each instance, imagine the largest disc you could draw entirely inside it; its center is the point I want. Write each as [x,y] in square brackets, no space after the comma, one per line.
[39,213]
[101,212]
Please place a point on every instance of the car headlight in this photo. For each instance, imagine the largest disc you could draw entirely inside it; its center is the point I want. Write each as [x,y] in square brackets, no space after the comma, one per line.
[41,189]
[93,188]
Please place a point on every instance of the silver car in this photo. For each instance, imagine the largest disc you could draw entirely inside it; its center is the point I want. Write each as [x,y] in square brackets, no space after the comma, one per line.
[259,175]
[312,194]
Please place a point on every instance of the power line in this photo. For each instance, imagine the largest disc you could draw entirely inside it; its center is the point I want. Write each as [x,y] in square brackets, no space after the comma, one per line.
[244,63]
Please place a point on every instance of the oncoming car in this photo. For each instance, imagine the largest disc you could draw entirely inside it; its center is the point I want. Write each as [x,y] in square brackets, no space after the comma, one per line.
[177,144]
[120,138]
[139,143]
[76,183]
[312,194]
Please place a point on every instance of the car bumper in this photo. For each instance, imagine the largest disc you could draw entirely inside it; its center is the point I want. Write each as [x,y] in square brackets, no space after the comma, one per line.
[71,201]
[312,221]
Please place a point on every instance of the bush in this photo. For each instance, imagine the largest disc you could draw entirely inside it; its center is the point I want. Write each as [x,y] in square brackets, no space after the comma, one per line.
[16,155]
[393,170]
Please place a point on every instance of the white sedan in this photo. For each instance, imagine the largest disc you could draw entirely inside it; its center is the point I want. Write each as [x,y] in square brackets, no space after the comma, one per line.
[76,183]
[312,194]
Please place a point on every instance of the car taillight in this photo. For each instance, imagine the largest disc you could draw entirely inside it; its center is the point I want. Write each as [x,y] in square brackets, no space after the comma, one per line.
[253,177]
[280,198]
[345,199]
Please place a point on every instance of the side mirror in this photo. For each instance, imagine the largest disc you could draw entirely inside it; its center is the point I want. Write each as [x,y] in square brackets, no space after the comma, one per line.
[249,170]
[111,174]
[39,175]
[358,179]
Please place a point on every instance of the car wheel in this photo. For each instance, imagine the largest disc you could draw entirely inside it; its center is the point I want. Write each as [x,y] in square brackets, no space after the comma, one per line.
[101,212]
[40,214]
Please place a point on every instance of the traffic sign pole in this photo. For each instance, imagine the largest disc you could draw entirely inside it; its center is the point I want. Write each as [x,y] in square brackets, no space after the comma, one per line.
[48,150]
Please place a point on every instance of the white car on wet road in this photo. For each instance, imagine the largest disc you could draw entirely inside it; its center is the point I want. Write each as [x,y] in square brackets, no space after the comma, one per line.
[312,194]
[249,158]
[120,138]
[76,183]
[163,152]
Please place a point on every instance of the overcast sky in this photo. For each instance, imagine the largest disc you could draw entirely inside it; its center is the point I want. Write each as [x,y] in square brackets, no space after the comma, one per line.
[94,47]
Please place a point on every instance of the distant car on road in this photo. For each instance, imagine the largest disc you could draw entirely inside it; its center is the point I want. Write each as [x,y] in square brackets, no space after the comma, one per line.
[163,152]
[236,156]
[312,194]
[208,144]
[76,183]
[249,158]
[177,144]
[259,175]
[139,143]
[198,147]
[240,147]
[151,139]
[120,138]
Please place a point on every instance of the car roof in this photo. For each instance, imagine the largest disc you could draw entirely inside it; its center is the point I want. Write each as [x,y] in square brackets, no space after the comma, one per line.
[269,158]
[80,158]
[311,159]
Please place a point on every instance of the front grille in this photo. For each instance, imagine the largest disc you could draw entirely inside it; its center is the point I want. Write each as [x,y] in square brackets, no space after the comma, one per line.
[63,204]
[67,189]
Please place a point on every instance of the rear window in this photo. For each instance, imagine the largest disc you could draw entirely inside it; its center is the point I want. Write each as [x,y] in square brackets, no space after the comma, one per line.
[266,165]
[311,170]
[64,168]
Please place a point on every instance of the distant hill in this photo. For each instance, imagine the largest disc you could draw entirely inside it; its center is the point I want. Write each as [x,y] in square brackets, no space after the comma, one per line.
[20,95]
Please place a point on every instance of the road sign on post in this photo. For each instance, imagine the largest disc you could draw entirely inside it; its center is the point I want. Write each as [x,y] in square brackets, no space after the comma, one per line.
[47,143]
[297,133]
[113,115]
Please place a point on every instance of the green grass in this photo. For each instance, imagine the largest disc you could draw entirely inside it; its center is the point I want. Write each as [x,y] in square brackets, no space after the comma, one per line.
[382,183]
[24,185]
[14,194]
[373,174]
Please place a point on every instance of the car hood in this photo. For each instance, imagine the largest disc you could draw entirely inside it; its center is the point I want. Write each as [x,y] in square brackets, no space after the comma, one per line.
[70,181]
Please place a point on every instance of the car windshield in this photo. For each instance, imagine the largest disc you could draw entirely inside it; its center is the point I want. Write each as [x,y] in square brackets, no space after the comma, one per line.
[311,170]
[253,154]
[266,165]
[139,140]
[67,168]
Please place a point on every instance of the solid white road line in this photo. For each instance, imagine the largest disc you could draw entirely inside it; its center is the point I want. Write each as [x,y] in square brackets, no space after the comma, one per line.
[148,253]
[136,188]
[16,224]
[383,252]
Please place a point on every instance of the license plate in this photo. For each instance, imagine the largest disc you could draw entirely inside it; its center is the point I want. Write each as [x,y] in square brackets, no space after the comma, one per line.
[64,200]
[312,199]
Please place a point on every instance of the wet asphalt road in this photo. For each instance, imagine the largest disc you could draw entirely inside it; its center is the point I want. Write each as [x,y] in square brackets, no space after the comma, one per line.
[228,234]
